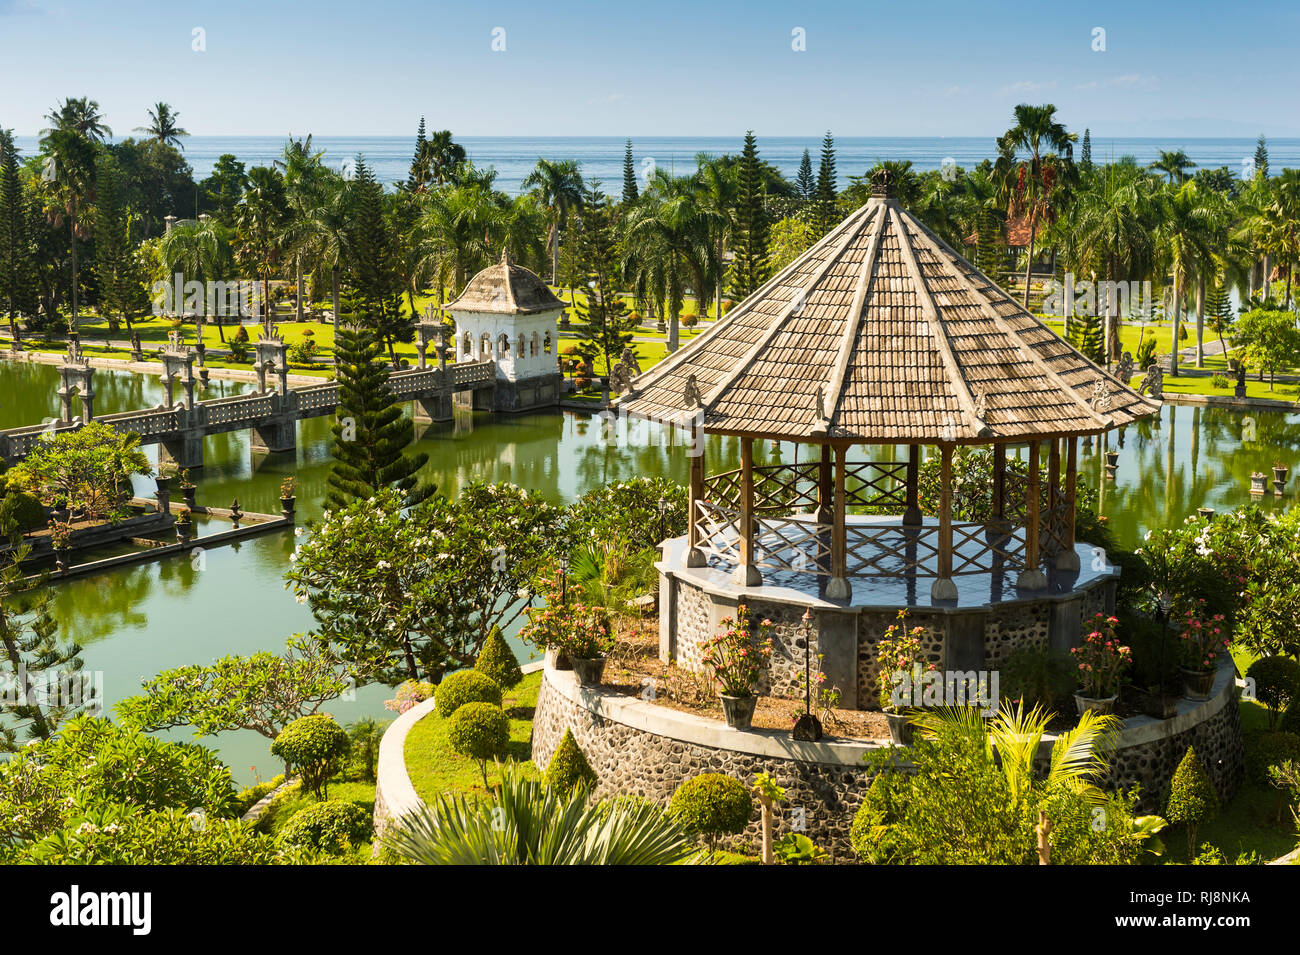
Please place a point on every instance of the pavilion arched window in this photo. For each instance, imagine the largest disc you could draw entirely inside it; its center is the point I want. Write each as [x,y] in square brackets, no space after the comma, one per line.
[532,346]
[468,343]
[546,343]
[503,345]
[485,346]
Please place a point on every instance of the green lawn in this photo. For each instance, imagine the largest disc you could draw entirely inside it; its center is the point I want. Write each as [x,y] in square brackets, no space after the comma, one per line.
[435,769]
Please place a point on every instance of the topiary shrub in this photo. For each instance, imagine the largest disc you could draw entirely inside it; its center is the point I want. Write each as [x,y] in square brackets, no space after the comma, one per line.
[569,767]
[1192,799]
[1277,683]
[480,731]
[1267,750]
[333,826]
[24,510]
[712,805]
[314,747]
[498,662]
[465,686]
[1290,722]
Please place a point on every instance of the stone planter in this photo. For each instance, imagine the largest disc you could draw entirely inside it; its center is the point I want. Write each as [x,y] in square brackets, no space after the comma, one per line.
[62,559]
[184,530]
[188,492]
[287,506]
[1197,683]
[900,728]
[739,710]
[1257,480]
[1279,480]
[557,660]
[1102,706]
[1112,459]
[589,670]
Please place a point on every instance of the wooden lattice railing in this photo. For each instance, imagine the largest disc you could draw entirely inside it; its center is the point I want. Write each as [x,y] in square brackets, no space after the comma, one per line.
[782,489]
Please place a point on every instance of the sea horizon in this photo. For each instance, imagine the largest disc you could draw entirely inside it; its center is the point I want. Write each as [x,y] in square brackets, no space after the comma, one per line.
[601,157]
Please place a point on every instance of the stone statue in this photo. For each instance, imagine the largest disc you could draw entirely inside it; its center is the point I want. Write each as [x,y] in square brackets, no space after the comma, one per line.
[620,378]
[981,404]
[1154,382]
[137,352]
[691,393]
[629,358]
[1100,400]
[1124,372]
[1240,390]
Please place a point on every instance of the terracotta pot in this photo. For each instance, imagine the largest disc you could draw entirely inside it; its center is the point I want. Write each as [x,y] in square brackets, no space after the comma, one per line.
[1197,684]
[739,710]
[589,670]
[900,728]
[1102,706]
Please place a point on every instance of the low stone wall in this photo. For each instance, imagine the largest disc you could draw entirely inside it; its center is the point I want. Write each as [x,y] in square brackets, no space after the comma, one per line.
[637,747]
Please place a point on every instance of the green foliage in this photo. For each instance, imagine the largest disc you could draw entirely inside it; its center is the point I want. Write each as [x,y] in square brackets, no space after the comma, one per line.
[1265,751]
[91,468]
[1277,684]
[569,768]
[1146,353]
[396,607]
[796,849]
[1192,799]
[25,511]
[1040,676]
[788,239]
[749,241]
[526,822]
[712,805]
[334,827]
[364,737]
[1268,340]
[250,796]
[313,747]
[93,763]
[370,431]
[628,513]
[466,686]
[1086,335]
[1290,722]
[263,692]
[606,325]
[498,662]
[480,731]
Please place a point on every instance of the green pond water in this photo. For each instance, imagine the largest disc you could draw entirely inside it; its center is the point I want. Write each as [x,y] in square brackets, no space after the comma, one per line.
[136,621]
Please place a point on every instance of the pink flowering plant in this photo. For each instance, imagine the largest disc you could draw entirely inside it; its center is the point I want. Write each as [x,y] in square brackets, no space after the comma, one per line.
[1102,659]
[740,654]
[899,651]
[409,693]
[574,629]
[1202,638]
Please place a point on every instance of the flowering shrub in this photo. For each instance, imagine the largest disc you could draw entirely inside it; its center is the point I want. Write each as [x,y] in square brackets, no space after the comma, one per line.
[1102,660]
[824,699]
[1202,637]
[408,694]
[899,650]
[575,629]
[738,657]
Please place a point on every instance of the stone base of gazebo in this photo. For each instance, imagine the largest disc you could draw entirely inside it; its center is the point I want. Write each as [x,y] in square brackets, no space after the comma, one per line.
[989,619]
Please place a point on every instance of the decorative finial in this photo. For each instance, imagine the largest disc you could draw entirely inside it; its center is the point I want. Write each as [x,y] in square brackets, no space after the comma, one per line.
[820,411]
[981,404]
[882,182]
[1100,395]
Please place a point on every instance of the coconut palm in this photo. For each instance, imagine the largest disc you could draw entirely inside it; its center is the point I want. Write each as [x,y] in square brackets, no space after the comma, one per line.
[456,230]
[559,187]
[718,192]
[259,229]
[1042,173]
[162,126]
[530,823]
[199,250]
[68,185]
[1185,231]
[442,157]
[305,176]
[80,115]
[1174,164]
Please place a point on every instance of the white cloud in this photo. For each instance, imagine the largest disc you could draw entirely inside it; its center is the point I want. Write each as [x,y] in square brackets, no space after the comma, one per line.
[1027,86]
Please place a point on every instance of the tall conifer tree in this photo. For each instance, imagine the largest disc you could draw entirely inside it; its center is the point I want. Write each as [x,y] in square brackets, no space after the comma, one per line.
[630,191]
[16,243]
[1085,154]
[749,267]
[805,182]
[376,276]
[118,268]
[370,431]
[826,216]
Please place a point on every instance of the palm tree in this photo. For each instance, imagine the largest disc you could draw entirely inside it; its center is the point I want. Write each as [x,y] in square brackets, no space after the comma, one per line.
[1040,174]
[259,230]
[529,823]
[718,191]
[1184,236]
[198,250]
[304,175]
[456,231]
[559,188]
[322,238]
[1174,164]
[69,183]
[443,157]
[162,126]
[80,115]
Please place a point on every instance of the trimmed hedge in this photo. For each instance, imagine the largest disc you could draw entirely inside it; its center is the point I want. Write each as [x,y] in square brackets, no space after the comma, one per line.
[334,826]
[1265,750]
[465,686]
[498,662]
[1192,799]
[314,746]
[712,804]
[569,767]
[480,731]
[1277,684]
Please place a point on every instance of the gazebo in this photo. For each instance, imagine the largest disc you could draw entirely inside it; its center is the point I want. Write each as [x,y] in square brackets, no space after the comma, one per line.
[881,334]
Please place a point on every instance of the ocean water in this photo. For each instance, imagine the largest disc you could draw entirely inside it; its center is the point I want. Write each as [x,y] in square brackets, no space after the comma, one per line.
[601,157]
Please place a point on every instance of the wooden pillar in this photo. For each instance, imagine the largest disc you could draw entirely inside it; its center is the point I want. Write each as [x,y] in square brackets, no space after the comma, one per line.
[839,587]
[1053,497]
[943,588]
[747,575]
[912,515]
[1032,577]
[1067,559]
[825,486]
[999,483]
[694,556]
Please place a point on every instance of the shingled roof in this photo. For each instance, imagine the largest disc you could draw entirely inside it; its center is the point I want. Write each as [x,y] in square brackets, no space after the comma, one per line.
[882,333]
[507,289]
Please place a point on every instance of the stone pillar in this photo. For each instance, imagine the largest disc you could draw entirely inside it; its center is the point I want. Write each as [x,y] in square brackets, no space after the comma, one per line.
[185,451]
[163,494]
[433,407]
[1032,577]
[747,575]
[272,356]
[912,515]
[280,433]
[1067,560]
[839,587]
[943,587]
[694,557]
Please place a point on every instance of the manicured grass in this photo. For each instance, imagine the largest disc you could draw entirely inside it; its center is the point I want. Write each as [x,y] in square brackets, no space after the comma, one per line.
[283,807]
[1204,385]
[435,769]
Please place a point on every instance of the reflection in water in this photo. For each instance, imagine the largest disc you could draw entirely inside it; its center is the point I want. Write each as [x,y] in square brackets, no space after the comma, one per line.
[139,620]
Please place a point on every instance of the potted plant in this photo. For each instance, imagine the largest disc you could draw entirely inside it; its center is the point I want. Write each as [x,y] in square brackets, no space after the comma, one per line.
[1201,640]
[287,487]
[61,541]
[900,661]
[586,641]
[547,623]
[738,658]
[188,488]
[1102,660]
[1280,472]
[184,525]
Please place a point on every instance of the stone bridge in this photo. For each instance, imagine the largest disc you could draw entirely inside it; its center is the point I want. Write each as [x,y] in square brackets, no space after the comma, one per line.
[270,414]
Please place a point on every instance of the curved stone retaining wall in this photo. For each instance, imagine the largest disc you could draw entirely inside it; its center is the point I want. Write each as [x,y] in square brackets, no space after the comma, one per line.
[641,748]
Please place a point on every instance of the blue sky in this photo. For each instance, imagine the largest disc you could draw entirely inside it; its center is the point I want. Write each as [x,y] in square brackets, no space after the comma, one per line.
[927,68]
